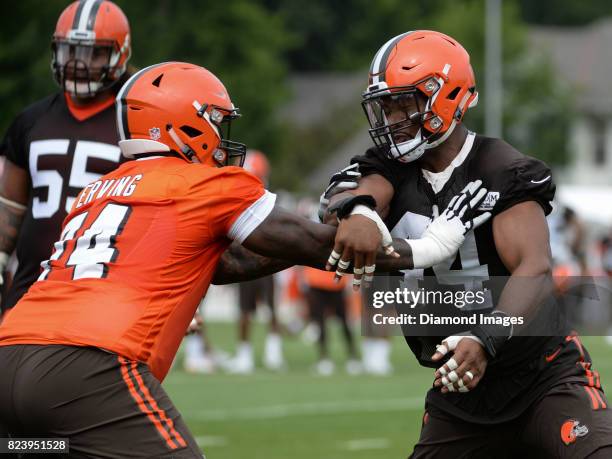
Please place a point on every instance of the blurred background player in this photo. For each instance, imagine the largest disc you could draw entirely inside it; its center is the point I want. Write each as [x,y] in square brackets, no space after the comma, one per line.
[59,144]
[605,251]
[252,293]
[375,345]
[199,355]
[326,298]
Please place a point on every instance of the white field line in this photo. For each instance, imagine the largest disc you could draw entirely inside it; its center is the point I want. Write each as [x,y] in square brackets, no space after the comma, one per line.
[308,409]
[207,441]
[365,443]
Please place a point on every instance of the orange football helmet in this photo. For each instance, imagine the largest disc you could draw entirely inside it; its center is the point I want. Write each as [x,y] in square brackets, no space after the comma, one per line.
[178,108]
[91,47]
[432,70]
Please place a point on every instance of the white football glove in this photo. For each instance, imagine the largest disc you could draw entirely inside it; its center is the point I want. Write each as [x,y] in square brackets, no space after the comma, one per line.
[446,233]
[343,180]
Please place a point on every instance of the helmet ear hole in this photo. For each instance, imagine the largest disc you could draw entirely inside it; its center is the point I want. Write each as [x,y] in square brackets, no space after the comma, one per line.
[453,94]
[204,146]
[190,131]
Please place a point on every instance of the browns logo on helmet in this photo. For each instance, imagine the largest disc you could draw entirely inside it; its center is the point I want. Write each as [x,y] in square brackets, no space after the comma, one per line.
[91,47]
[180,109]
[425,70]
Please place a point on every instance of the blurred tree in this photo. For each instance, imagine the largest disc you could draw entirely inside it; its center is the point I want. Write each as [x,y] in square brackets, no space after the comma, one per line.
[564,12]
[344,35]
[239,40]
[251,44]
[536,105]
[25,55]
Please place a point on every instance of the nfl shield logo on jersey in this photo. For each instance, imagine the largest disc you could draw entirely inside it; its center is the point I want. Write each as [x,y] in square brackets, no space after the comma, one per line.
[489,201]
[154,133]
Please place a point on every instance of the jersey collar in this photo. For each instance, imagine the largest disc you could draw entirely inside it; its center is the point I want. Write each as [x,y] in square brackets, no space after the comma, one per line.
[437,180]
[83,112]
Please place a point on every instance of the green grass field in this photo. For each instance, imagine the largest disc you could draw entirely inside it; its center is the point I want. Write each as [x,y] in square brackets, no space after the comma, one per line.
[299,415]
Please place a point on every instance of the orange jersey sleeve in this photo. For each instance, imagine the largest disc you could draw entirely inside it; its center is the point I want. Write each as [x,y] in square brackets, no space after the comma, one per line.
[135,257]
[234,205]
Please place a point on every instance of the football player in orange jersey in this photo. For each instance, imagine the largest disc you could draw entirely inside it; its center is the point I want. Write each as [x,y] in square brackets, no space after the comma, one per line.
[84,351]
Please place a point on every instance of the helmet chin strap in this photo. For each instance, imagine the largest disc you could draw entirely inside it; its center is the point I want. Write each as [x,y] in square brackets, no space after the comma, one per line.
[410,150]
[185,149]
[413,149]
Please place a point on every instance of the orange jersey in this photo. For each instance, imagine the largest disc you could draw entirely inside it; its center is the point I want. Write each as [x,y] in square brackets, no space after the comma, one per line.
[136,255]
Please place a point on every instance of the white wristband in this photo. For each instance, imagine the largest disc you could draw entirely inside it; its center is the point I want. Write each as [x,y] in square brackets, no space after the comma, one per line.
[4,259]
[360,209]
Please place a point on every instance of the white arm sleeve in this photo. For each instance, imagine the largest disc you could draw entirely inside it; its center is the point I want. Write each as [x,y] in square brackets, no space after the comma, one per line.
[252,217]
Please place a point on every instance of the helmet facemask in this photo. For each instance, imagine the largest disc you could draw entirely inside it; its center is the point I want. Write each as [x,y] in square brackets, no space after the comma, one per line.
[227,152]
[234,152]
[84,66]
[402,122]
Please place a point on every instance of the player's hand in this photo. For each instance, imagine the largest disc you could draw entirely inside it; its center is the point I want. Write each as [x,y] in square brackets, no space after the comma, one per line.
[465,369]
[195,326]
[446,233]
[463,208]
[343,180]
[358,239]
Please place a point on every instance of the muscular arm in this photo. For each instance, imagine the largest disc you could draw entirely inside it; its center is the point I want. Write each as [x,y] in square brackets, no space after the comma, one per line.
[286,236]
[522,241]
[238,264]
[14,189]
[284,239]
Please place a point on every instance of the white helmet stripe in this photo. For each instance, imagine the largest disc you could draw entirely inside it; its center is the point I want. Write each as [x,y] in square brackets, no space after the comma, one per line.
[376,61]
[121,103]
[85,13]
[380,58]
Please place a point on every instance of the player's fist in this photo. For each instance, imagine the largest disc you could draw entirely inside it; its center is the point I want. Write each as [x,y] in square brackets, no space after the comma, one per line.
[465,368]
[357,240]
